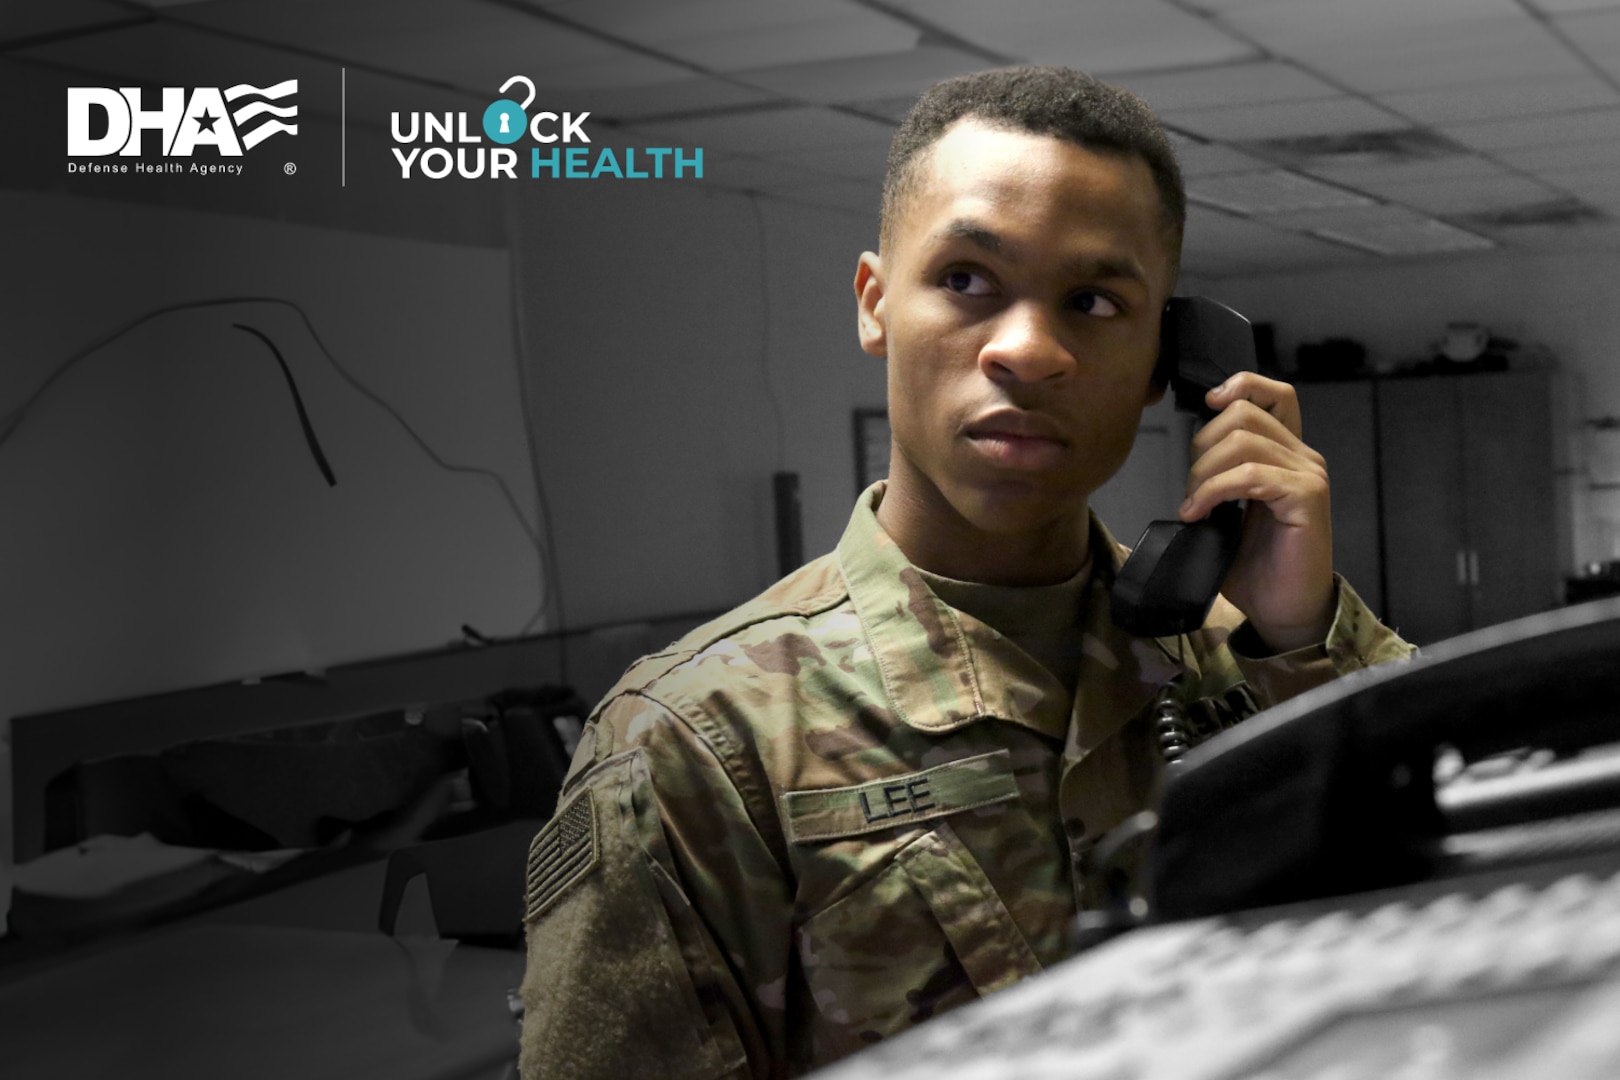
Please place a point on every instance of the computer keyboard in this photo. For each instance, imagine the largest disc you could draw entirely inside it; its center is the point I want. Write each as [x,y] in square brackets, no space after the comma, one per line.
[1508,974]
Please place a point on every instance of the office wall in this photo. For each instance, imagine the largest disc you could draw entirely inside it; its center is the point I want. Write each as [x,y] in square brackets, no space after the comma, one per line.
[1561,301]
[168,525]
[165,523]
[683,344]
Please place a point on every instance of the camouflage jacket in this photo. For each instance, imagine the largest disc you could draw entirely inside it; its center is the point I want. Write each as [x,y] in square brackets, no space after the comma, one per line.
[845,807]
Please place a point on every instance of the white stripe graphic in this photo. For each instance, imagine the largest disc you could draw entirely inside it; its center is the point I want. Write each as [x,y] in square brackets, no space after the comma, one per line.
[248,112]
[264,131]
[281,89]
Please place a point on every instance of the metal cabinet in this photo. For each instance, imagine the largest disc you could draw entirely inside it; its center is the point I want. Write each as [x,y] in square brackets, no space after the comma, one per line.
[1462,497]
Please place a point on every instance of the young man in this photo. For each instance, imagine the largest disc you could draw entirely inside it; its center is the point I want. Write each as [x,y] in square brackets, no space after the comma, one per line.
[861,799]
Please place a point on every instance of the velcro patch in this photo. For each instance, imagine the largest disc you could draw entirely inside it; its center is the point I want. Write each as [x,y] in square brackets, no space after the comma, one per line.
[561,854]
[830,813]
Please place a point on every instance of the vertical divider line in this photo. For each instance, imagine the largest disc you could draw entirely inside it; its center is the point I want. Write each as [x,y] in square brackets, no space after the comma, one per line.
[343,130]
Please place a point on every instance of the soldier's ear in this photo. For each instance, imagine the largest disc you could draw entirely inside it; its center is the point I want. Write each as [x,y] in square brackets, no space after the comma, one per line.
[869,316]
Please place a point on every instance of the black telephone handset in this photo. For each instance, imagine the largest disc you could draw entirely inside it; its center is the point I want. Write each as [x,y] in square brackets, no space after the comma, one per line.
[1167,585]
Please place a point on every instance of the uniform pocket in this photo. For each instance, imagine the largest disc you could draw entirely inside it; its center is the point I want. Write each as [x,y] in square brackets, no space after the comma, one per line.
[986,941]
[925,934]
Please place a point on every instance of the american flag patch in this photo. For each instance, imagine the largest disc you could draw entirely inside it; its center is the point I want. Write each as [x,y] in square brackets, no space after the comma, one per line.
[562,853]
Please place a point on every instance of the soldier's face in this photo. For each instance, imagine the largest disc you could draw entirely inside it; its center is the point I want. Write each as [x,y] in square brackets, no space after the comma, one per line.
[1017,303]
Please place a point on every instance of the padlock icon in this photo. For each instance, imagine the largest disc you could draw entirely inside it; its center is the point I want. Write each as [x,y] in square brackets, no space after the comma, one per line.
[505,120]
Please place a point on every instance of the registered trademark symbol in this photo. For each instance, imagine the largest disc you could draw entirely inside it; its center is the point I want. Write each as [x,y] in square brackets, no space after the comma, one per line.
[289,168]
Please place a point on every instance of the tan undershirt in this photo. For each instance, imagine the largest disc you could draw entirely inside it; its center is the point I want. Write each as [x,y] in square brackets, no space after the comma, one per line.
[1045,621]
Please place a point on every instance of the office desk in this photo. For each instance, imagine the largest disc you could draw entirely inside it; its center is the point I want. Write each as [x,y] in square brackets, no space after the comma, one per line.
[226,995]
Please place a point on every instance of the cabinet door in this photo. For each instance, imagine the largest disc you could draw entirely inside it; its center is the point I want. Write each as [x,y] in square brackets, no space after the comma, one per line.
[1508,454]
[1338,422]
[1425,547]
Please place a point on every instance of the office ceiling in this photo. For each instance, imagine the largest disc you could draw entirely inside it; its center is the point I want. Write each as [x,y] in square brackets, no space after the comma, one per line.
[1313,133]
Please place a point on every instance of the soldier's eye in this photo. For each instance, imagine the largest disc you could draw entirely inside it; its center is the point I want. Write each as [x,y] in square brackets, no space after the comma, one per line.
[968,283]
[1095,303]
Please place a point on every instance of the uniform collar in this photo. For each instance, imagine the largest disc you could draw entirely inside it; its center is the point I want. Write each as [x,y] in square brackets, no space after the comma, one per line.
[943,669]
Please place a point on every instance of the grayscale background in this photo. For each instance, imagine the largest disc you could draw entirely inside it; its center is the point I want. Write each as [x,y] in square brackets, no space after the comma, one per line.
[556,406]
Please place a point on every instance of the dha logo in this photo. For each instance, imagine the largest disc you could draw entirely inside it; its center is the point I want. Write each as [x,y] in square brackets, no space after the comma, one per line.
[185,124]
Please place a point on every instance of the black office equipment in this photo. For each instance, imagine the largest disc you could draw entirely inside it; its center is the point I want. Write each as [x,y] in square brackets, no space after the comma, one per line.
[1437,849]
[1173,574]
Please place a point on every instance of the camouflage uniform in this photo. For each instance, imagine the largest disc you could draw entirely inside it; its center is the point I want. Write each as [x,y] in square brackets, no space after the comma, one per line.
[845,807]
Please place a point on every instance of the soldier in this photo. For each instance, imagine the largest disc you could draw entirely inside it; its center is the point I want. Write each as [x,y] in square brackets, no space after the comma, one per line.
[860,799]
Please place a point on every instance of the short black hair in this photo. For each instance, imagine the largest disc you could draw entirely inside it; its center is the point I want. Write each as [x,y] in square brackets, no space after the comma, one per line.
[1042,100]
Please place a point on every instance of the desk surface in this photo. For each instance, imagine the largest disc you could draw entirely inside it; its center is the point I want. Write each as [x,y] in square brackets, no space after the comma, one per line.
[261,1001]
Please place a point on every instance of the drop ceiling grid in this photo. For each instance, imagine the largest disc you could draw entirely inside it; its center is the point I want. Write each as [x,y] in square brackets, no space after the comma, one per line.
[770,132]
[20,22]
[1100,36]
[1559,82]
[735,35]
[1595,35]
[1340,115]
[686,95]
[1472,195]
[1561,7]
[1502,101]
[1246,83]
[468,43]
[886,76]
[169,54]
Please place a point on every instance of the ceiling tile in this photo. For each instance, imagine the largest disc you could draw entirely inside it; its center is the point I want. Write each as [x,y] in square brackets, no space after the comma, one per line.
[1232,84]
[736,35]
[1539,159]
[1297,25]
[892,110]
[852,162]
[1503,100]
[1597,36]
[167,54]
[1375,177]
[1601,187]
[1417,238]
[1390,45]
[22,22]
[1594,237]
[693,94]
[372,99]
[855,196]
[1565,7]
[1209,159]
[1454,197]
[1328,116]
[768,132]
[1594,125]
[756,174]
[1376,214]
[887,76]
[1219,243]
[1269,192]
[466,43]
[1101,36]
